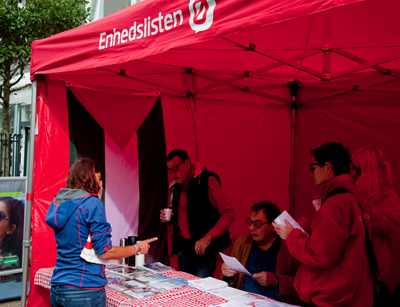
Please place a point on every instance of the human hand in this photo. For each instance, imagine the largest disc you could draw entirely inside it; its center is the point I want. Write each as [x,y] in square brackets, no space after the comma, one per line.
[201,245]
[145,245]
[162,215]
[283,231]
[227,271]
[265,278]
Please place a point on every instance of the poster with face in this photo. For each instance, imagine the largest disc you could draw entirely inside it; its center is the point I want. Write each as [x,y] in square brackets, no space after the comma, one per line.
[12,208]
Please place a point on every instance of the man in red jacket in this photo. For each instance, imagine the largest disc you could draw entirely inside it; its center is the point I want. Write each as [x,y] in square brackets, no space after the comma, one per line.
[335,269]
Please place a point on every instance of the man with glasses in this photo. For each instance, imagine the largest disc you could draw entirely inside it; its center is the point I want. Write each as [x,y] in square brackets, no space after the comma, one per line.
[201,215]
[265,256]
[335,269]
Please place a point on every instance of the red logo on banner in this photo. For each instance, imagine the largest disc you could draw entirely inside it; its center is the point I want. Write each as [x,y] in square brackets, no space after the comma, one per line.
[201,14]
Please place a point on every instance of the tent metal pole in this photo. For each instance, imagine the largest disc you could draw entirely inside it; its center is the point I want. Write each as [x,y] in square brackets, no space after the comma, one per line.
[26,242]
[327,47]
[294,86]
[387,58]
[304,55]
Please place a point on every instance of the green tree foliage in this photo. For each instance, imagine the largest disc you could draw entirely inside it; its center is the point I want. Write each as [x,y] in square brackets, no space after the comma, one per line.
[20,24]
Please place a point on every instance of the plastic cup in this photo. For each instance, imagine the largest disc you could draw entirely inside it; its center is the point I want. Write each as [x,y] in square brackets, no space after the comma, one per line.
[139,259]
[168,213]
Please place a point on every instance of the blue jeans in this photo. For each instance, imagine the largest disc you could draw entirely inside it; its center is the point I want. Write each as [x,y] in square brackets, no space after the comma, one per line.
[62,296]
[190,262]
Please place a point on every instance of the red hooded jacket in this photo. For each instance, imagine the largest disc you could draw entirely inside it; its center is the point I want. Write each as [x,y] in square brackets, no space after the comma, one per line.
[384,216]
[335,269]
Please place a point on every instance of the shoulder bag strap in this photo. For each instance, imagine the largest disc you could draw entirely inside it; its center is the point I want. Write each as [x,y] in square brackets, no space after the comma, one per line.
[373,265]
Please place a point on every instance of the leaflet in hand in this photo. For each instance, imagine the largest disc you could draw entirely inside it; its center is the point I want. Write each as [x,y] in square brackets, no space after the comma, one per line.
[234,264]
[280,220]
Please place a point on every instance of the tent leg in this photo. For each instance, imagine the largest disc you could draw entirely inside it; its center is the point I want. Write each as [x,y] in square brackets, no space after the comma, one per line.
[26,243]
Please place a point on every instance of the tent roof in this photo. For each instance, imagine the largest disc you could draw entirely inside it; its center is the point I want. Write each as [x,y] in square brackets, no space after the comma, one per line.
[248,53]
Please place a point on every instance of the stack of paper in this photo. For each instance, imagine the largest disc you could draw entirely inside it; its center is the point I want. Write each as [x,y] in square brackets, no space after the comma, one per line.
[272,303]
[207,284]
[237,297]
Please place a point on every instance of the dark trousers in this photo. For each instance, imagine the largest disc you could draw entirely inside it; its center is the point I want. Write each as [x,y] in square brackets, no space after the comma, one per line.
[188,261]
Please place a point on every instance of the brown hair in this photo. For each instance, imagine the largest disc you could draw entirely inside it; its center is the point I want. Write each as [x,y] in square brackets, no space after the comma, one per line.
[82,175]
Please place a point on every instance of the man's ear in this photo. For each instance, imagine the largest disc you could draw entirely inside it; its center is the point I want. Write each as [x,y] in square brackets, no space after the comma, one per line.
[329,168]
[11,229]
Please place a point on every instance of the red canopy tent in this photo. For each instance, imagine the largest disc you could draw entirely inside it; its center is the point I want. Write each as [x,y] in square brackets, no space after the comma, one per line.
[246,87]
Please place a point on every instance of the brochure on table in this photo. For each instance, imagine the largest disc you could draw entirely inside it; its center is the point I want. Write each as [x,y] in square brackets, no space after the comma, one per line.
[136,284]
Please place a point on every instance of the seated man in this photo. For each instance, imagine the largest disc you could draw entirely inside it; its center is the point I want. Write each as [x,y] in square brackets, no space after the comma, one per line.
[265,256]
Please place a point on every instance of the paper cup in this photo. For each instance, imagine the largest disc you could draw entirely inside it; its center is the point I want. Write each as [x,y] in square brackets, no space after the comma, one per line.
[139,259]
[168,213]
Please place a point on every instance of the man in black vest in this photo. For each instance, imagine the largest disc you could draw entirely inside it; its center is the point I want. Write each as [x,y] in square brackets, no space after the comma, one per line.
[201,215]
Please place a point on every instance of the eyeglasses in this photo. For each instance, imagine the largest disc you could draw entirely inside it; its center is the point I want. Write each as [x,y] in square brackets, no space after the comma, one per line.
[354,168]
[257,224]
[3,216]
[312,168]
[174,169]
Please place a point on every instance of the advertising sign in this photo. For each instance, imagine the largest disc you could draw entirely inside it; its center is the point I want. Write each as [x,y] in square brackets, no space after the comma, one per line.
[12,208]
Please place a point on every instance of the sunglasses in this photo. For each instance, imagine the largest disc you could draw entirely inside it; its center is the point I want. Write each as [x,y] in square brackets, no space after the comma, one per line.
[257,224]
[3,216]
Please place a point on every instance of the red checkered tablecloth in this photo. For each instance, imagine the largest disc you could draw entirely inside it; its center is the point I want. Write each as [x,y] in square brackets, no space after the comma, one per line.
[182,275]
[178,297]
[43,277]
[115,298]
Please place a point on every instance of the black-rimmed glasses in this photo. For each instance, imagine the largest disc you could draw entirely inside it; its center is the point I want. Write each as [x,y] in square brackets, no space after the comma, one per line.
[3,216]
[257,224]
[174,169]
